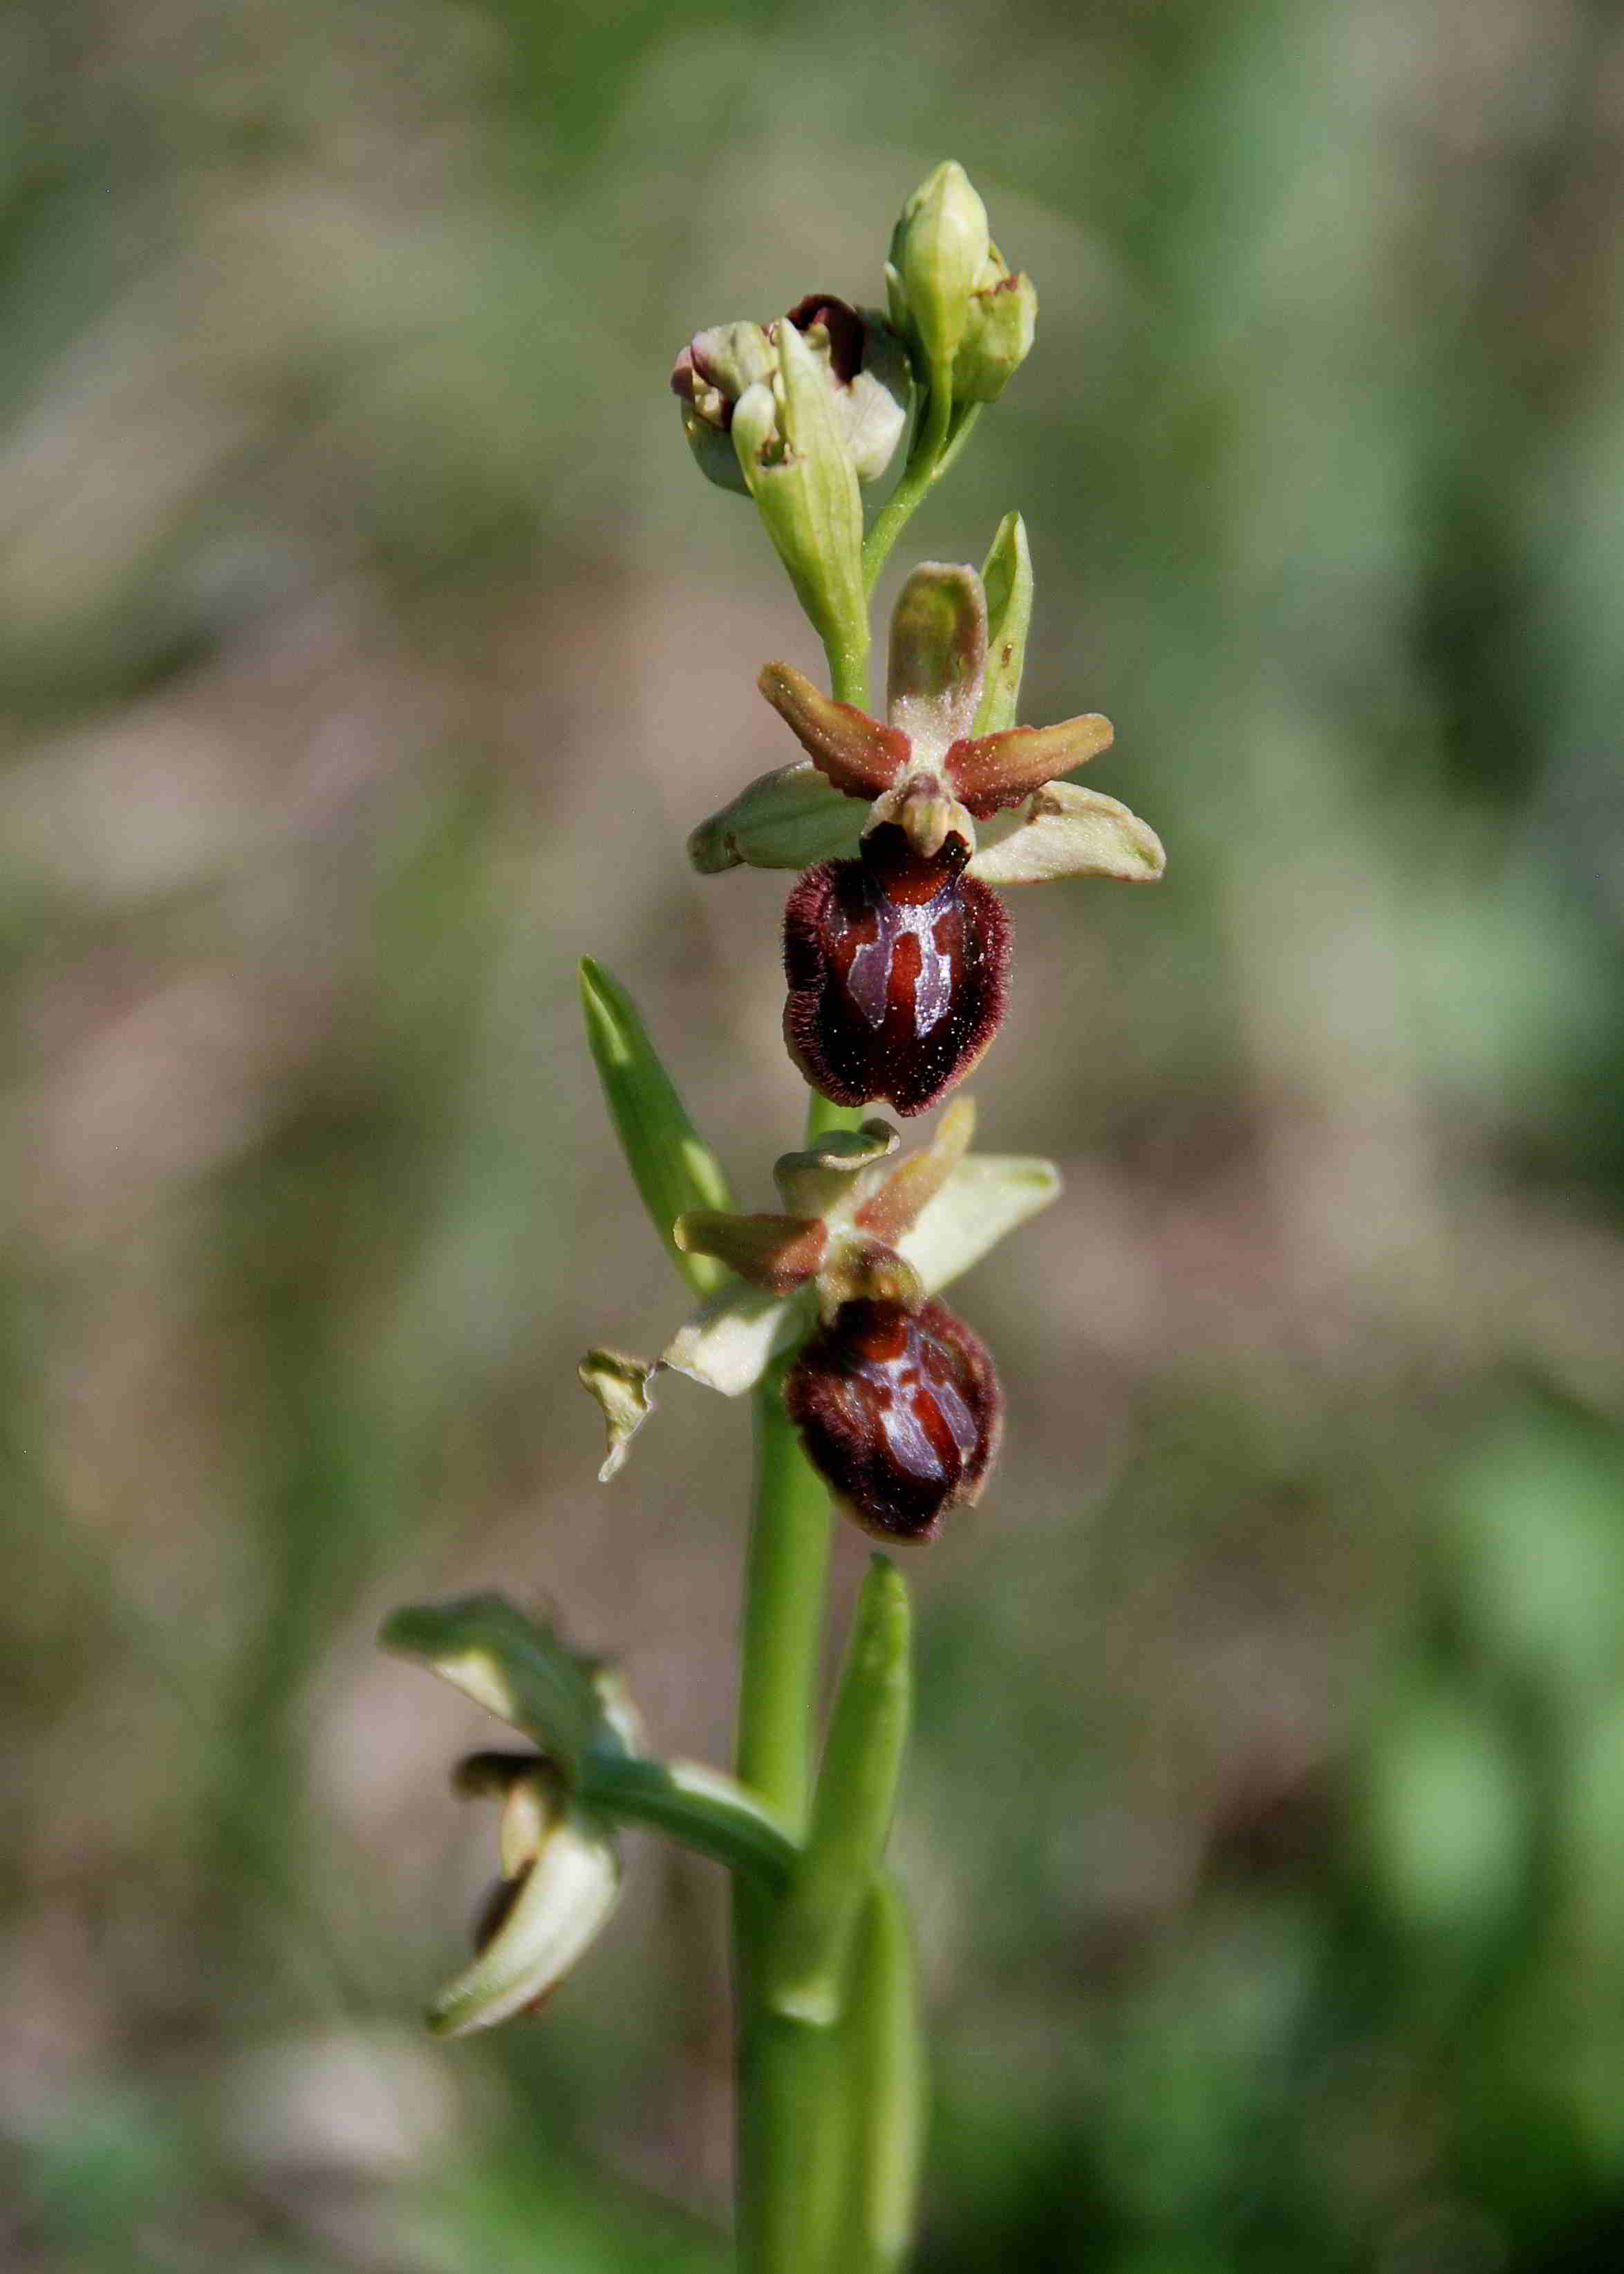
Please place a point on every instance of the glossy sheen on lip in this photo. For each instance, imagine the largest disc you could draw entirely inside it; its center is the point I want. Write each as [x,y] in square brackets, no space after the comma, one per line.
[897,969]
[900,1411]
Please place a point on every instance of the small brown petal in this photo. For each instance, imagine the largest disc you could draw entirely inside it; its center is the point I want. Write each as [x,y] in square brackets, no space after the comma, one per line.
[858,755]
[896,968]
[900,1412]
[779,1253]
[992,770]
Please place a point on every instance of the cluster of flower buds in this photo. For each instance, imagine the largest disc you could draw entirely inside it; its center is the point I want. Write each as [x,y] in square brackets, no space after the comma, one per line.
[897,1401]
[897,954]
[968,319]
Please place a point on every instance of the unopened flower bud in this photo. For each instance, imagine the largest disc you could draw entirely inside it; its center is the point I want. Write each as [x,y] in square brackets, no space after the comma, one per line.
[708,378]
[900,1411]
[795,458]
[896,963]
[938,252]
[864,367]
[998,332]
[868,372]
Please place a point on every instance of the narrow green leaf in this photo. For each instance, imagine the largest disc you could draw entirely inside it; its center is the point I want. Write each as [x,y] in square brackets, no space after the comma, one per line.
[811,1947]
[882,2074]
[675,1170]
[1007,575]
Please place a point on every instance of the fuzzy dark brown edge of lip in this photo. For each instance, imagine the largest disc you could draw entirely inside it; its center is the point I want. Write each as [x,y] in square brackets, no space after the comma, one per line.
[806,971]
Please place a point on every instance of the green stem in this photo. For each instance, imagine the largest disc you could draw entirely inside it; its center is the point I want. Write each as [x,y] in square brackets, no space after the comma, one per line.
[925,461]
[791,2144]
[848,668]
[785,1584]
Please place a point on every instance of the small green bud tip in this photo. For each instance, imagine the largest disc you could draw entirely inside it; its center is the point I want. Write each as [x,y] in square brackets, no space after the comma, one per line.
[938,251]
[968,319]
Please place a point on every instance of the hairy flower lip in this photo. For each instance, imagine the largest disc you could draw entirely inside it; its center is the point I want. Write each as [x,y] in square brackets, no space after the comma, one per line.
[900,1412]
[897,972]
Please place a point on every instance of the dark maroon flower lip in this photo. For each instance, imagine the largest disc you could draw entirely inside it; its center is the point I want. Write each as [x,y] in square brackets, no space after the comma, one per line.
[900,1412]
[844,326]
[898,966]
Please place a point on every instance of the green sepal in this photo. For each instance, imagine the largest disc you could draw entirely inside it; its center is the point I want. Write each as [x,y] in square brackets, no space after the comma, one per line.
[790,818]
[521,1670]
[998,332]
[1065,830]
[937,655]
[809,1956]
[672,1167]
[1006,573]
[985,1198]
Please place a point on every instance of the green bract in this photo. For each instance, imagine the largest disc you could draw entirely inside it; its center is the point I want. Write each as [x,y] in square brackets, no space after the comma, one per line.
[801,475]
[1006,576]
[811,1949]
[999,327]
[672,1167]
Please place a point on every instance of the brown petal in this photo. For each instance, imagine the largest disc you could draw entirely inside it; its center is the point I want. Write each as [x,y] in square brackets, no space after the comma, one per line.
[779,1253]
[905,1194]
[897,969]
[900,1411]
[859,755]
[992,770]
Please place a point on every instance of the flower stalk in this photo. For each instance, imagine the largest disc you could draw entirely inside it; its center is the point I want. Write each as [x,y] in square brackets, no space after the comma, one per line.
[870,1398]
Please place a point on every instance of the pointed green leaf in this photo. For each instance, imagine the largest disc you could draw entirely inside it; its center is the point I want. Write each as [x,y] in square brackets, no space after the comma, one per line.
[675,1170]
[812,1941]
[1007,576]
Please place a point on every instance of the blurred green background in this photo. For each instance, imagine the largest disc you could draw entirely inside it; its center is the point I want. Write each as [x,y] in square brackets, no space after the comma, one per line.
[367,643]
